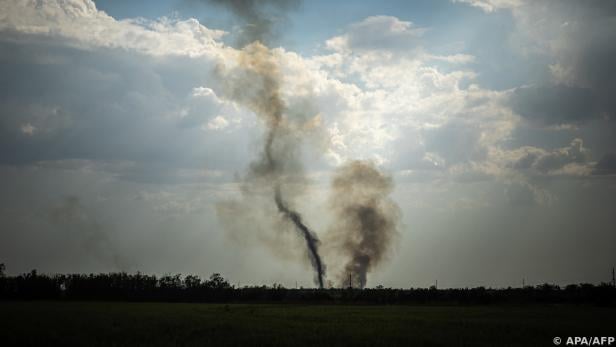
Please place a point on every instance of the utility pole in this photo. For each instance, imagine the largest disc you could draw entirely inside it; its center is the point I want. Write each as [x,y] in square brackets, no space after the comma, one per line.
[436,284]
[350,281]
[613,278]
[523,283]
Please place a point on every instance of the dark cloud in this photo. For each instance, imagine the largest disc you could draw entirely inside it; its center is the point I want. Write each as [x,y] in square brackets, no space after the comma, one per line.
[589,34]
[555,105]
[579,38]
[606,165]
[538,161]
[61,103]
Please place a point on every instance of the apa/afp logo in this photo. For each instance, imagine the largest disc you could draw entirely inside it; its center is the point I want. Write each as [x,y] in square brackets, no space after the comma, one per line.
[585,341]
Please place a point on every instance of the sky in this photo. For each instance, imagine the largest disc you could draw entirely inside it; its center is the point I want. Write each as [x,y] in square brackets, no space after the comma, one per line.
[494,119]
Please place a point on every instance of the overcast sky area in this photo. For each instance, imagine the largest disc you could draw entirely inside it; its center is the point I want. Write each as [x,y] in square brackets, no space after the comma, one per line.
[496,120]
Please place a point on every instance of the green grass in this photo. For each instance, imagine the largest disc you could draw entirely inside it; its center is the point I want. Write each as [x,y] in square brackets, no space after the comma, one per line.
[169,324]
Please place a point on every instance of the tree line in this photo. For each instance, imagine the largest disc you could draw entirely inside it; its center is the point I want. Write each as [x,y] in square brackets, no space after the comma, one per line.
[123,286]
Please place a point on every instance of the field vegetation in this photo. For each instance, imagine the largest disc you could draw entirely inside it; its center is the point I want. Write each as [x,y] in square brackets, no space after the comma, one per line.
[198,324]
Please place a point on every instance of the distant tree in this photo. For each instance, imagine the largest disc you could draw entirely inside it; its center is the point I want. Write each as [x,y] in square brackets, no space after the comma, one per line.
[572,287]
[547,287]
[217,281]
[170,281]
[587,286]
[123,286]
[192,281]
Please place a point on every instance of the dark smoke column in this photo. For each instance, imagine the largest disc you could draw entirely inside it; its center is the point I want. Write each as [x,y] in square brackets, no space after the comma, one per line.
[312,242]
[255,83]
[366,219]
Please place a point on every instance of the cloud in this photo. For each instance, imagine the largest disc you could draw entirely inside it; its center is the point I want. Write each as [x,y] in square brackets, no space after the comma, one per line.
[391,105]
[579,36]
[491,5]
[135,91]
[205,109]
[379,95]
[218,123]
[576,37]
[66,20]
[573,96]
[571,160]
[28,129]
[454,58]
[378,33]
[555,104]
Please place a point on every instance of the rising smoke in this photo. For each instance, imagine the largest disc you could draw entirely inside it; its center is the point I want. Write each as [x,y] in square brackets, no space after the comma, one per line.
[365,219]
[255,82]
[260,18]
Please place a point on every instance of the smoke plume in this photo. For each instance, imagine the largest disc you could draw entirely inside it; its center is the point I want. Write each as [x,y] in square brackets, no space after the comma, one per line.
[365,219]
[260,18]
[255,82]
[311,240]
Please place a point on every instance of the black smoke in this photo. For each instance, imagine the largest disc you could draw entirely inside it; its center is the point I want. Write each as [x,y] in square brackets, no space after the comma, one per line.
[366,219]
[255,82]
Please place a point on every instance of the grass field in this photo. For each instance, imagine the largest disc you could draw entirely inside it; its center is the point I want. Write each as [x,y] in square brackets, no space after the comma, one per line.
[173,324]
